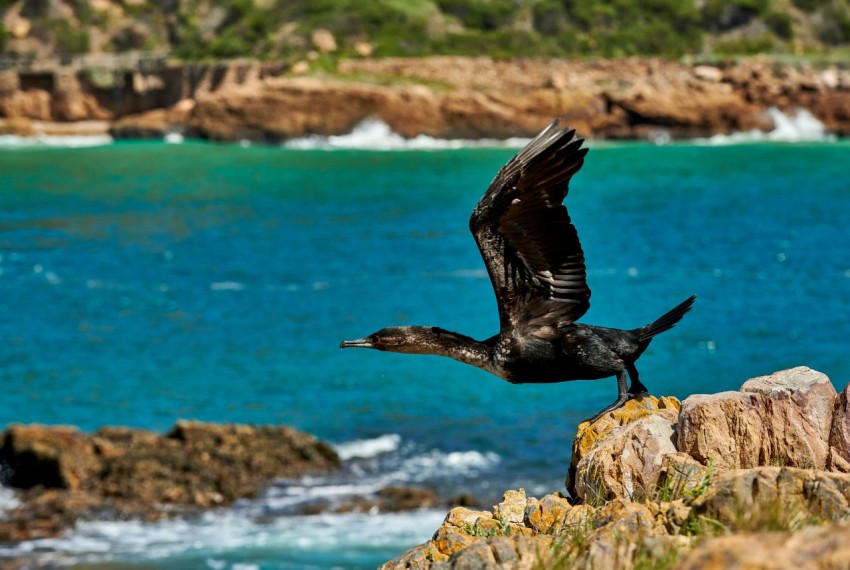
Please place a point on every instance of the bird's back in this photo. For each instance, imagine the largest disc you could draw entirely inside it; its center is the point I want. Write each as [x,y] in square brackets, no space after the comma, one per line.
[571,352]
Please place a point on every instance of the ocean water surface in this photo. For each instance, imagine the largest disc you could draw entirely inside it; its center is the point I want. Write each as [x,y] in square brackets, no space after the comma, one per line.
[141,283]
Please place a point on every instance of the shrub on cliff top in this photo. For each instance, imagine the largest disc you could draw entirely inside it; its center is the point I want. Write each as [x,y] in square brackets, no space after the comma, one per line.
[199,29]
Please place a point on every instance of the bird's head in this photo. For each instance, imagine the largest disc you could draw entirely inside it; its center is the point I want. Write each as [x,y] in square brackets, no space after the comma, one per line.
[409,339]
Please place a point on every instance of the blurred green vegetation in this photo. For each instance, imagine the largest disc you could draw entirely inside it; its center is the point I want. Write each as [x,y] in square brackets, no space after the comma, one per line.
[265,29]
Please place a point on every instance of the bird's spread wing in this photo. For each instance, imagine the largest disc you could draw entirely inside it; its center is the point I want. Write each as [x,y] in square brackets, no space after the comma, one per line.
[529,245]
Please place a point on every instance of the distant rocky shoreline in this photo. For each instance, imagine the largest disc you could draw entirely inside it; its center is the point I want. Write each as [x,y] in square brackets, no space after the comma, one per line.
[441,97]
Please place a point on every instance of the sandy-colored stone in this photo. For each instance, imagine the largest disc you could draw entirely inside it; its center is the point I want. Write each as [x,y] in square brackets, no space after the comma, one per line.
[813,548]
[449,539]
[839,435]
[501,553]
[512,507]
[589,434]
[681,474]
[798,405]
[548,514]
[462,516]
[774,497]
[784,419]
[725,428]
[626,461]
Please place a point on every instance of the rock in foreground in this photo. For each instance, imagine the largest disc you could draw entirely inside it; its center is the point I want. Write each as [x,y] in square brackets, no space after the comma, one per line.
[749,479]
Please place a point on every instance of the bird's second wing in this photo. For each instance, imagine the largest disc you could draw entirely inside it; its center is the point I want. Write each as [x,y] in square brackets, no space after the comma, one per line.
[529,245]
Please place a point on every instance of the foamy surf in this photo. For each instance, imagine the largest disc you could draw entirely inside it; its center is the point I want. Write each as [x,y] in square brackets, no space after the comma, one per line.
[373,134]
[802,126]
[82,141]
[8,501]
[229,539]
[273,529]
[365,448]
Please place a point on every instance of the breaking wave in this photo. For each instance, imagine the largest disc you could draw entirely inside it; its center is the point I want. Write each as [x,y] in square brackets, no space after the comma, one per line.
[365,448]
[247,533]
[802,126]
[373,134]
[81,141]
[229,539]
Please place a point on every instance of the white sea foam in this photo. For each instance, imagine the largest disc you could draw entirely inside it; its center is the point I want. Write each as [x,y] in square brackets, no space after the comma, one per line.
[55,141]
[365,448]
[436,463]
[373,464]
[8,500]
[173,137]
[229,533]
[226,286]
[373,134]
[799,127]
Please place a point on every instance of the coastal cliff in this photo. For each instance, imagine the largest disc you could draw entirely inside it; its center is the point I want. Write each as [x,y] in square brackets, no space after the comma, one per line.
[755,478]
[443,97]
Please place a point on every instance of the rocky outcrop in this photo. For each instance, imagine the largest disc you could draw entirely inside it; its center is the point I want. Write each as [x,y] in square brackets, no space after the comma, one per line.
[815,547]
[445,97]
[639,435]
[782,419]
[64,474]
[754,478]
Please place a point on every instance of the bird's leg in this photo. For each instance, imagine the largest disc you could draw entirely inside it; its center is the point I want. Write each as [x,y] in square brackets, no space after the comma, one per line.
[637,388]
[623,396]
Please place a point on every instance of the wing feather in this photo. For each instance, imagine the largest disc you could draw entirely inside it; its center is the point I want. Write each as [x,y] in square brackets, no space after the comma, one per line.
[525,235]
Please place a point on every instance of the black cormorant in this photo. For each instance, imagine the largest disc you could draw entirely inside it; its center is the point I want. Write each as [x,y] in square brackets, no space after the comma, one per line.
[536,265]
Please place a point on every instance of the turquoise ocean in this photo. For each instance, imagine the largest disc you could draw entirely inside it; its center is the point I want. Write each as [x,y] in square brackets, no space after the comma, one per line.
[146,282]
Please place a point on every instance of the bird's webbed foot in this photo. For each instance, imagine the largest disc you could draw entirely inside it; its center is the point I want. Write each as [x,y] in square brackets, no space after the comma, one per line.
[624,393]
[621,399]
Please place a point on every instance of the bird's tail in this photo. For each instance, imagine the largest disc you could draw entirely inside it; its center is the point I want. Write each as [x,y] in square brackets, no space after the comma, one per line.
[667,321]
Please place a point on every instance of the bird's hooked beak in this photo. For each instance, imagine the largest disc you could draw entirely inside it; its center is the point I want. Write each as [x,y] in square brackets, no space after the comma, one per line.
[360,342]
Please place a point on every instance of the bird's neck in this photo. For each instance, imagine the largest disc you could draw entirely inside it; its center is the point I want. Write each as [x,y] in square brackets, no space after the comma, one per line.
[434,340]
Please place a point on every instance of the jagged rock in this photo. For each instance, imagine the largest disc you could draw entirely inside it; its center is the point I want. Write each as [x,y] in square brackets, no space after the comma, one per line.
[512,507]
[654,503]
[548,514]
[66,474]
[620,454]
[58,457]
[619,526]
[681,474]
[504,553]
[839,434]
[783,418]
[799,407]
[726,428]
[774,497]
[518,533]
[814,548]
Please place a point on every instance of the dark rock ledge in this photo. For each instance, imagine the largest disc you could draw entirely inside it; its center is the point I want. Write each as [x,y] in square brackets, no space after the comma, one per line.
[62,475]
[755,478]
